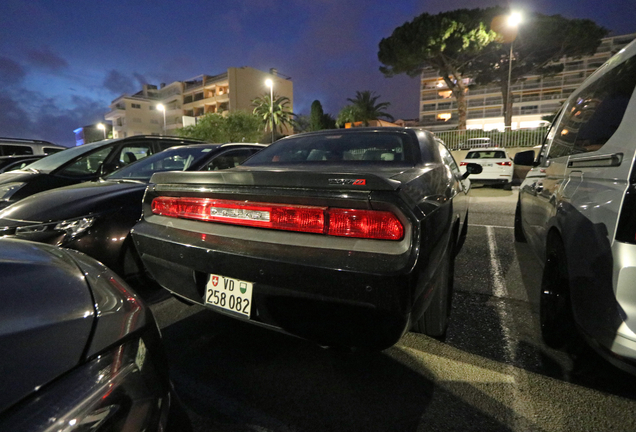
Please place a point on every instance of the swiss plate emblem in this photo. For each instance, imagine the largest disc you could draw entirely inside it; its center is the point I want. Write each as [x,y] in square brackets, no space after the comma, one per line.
[215,280]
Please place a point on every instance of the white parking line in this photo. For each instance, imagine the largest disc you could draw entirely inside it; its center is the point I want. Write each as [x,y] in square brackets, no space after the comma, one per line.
[498,282]
[491,226]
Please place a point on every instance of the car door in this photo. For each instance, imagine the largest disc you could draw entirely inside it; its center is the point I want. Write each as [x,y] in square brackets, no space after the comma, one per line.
[538,192]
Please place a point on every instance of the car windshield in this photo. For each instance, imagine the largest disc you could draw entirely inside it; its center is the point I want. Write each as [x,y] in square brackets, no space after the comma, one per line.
[175,159]
[56,160]
[385,148]
[491,154]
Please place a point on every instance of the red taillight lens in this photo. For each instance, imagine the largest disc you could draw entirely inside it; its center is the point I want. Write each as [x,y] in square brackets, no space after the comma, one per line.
[369,224]
[505,163]
[463,163]
[365,224]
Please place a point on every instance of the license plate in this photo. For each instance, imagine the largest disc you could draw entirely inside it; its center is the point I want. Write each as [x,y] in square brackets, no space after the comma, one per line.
[488,164]
[230,294]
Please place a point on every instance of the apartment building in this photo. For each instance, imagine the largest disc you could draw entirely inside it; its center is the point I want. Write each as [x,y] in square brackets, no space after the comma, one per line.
[160,110]
[534,97]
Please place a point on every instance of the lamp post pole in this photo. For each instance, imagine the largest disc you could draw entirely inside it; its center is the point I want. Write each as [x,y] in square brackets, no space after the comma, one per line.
[513,21]
[270,84]
[160,107]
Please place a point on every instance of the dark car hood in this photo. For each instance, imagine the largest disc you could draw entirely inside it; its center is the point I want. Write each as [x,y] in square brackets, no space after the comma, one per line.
[72,201]
[46,317]
[17,176]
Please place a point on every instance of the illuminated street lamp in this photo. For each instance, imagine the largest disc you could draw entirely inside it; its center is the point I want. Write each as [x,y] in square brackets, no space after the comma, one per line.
[270,84]
[102,127]
[513,22]
[160,107]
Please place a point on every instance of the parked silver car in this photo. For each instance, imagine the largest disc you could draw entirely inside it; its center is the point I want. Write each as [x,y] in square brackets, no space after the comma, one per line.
[577,211]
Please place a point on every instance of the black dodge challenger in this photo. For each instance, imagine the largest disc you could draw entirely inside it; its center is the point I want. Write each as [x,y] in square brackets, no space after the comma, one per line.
[343,237]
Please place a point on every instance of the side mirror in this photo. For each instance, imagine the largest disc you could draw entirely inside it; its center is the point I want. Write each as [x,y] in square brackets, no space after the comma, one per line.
[472,168]
[106,169]
[525,158]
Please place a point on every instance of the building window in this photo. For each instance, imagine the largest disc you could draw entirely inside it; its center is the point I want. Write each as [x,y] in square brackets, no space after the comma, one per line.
[152,107]
[136,120]
[138,106]
[428,107]
[153,121]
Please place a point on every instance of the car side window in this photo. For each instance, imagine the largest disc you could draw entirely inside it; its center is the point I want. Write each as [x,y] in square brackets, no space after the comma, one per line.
[88,164]
[14,150]
[228,159]
[133,153]
[594,114]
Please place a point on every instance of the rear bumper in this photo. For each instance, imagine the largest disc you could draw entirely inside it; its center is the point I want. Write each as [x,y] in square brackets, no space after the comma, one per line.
[344,297]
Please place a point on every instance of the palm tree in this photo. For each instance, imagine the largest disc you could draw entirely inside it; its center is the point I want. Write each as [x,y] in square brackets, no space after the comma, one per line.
[280,115]
[366,109]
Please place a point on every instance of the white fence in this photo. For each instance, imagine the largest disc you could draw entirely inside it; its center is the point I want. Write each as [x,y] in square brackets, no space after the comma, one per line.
[459,140]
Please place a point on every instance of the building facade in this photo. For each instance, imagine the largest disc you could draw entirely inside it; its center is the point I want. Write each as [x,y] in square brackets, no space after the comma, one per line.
[533,97]
[160,110]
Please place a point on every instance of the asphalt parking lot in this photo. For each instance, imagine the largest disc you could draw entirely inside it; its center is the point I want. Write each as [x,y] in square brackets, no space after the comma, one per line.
[492,373]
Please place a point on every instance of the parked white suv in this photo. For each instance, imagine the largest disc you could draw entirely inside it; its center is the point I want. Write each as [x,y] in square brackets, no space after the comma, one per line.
[497,166]
[577,211]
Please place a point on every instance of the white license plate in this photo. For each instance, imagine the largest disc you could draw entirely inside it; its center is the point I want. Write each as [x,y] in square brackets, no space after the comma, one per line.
[488,164]
[230,294]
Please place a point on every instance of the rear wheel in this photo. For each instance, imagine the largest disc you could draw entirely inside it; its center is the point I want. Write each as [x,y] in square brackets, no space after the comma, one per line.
[434,321]
[555,311]
[519,235]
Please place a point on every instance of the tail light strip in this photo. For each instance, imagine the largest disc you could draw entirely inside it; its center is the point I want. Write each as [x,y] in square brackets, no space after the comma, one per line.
[370,224]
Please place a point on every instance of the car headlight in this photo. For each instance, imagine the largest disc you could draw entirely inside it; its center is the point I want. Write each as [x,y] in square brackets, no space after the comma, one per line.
[56,232]
[8,189]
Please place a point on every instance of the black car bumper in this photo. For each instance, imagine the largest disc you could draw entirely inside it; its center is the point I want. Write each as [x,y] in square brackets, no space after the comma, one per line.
[335,297]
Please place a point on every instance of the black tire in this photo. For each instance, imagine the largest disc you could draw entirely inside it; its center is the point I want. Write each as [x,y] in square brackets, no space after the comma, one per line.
[555,309]
[434,321]
[519,235]
[507,186]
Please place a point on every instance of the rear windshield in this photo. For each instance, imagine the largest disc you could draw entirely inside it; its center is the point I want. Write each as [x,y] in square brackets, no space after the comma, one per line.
[364,148]
[496,154]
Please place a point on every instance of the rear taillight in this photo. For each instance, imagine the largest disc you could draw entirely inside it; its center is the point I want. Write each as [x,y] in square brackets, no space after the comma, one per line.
[463,163]
[369,224]
[505,163]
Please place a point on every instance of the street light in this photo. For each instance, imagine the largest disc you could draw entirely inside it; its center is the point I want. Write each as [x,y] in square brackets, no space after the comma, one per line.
[270,84]
[160,107]
[513,22]
[103,128]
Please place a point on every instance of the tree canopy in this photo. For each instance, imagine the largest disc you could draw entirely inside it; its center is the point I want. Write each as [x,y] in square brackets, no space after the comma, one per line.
[540,41]
[364,107]
[318,119]
[446,42]
[237,126]
[279,117]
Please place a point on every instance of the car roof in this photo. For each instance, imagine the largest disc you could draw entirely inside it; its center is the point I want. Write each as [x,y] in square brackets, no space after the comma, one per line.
[487,149]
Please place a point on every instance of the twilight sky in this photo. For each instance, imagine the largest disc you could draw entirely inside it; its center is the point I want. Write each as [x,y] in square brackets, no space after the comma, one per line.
[63,61]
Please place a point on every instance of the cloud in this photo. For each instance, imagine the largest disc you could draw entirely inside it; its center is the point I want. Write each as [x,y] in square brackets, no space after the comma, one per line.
[11,72]
[14,121]
[119,83]
[46,59]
